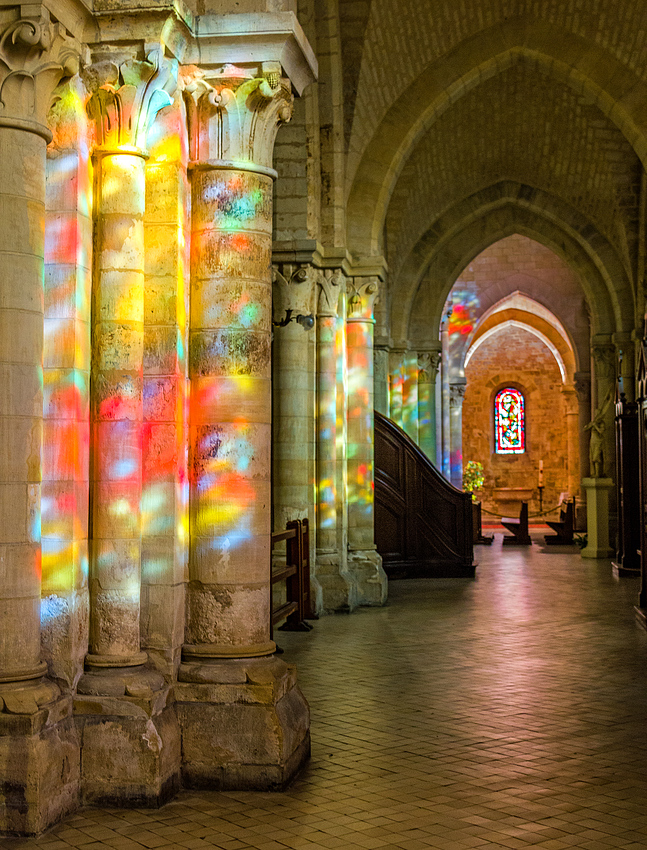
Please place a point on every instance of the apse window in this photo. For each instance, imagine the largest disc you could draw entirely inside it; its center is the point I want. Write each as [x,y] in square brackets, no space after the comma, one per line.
[509,422]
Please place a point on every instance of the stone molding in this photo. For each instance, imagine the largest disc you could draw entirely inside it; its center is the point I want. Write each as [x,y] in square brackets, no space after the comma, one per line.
[331,284]
[363,294]
[35,55]
[126,98]
[234,114]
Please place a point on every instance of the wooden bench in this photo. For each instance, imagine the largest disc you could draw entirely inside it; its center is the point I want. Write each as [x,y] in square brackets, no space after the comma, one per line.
[564,527]
[518,527]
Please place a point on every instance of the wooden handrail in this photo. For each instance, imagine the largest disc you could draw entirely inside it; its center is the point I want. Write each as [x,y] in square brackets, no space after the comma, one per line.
[295,574]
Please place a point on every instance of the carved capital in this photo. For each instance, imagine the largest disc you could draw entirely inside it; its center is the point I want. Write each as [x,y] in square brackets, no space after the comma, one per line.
[234,114]
[428,365]
[126,99]
[35,55]
[362,295]
[293,294]
[582,385]
[456,395]
[331,285]
[604,357]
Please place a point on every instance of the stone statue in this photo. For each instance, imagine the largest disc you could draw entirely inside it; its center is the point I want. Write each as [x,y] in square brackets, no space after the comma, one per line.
[597,427]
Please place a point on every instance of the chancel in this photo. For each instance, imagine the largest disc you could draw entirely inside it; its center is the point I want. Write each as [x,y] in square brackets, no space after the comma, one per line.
[284,267]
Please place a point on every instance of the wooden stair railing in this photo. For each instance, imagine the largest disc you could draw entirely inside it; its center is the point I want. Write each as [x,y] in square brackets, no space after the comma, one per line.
[423,524]
[296,574]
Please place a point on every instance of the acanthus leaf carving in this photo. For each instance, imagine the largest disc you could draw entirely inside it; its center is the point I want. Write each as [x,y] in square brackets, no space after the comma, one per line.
[126,99]
[292,294]
[428,365]
[234,114]
[35,55]
[331,285]
[363,294]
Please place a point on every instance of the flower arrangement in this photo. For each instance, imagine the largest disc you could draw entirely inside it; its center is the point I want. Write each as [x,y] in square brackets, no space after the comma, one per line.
[473,478]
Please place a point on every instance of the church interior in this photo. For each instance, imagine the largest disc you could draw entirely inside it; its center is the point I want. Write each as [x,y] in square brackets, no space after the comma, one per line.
[277,273]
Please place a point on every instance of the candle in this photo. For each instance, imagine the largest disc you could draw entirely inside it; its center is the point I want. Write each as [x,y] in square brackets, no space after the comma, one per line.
[541,473]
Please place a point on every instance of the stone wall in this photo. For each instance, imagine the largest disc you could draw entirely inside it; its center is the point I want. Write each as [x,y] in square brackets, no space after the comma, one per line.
[516,357]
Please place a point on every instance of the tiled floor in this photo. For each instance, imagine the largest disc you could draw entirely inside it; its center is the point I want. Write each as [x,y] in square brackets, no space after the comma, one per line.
[505,712]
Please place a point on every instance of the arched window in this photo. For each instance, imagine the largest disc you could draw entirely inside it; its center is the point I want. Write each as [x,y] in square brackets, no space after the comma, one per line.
[509,422]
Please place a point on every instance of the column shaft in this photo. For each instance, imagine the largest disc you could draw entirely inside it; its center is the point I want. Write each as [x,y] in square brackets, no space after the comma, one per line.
[326,434]
[229,363]
[22,201]
[117,413]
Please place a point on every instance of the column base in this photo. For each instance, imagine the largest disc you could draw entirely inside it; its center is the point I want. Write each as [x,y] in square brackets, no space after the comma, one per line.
[338,593]
[597,518]
[129,736]
[245,724]
[39,758]
[367,574]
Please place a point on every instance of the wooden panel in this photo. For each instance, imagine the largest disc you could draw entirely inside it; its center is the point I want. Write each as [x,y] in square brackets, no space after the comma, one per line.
[423,525]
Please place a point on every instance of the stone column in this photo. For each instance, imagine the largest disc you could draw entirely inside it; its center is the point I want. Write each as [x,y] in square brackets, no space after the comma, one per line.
[456,395]
[428,363]
[124,102]
[396,385]
[293,321]
[331,563]
[38,750]
[445,406]
[572,436]
[582,385]
[410,395]
[364,563]
[225,717]
[381,379]
[604,359]
[625,357]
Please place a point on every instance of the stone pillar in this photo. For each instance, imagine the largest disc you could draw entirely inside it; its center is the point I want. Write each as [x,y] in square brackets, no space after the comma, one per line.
[445,406]
[396,385]
[364,563]
[338,593]
[381,379]
[625,357]
[39,751]
[410,395]
[572,436]
[456,395]
[124,102]
[244,721]
[582,385]
[293,321]
[428,363]
[604,359]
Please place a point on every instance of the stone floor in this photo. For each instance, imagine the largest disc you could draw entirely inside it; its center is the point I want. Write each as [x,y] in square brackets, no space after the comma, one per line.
[505,712]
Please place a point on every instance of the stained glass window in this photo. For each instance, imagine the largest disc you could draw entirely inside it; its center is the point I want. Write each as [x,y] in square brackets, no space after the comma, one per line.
[509,422]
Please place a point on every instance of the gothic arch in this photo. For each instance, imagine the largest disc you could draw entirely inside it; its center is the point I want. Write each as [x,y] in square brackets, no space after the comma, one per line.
[588,69]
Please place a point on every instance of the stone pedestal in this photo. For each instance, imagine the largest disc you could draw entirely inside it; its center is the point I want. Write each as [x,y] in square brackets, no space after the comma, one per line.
[245,724]
[39,757]
[597,516]
[130,738]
